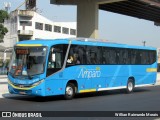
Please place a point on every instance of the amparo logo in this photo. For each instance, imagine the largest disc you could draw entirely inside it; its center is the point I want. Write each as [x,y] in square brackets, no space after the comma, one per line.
[89,73]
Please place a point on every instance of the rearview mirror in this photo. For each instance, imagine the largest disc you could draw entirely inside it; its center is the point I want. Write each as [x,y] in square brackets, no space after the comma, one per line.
[53,57]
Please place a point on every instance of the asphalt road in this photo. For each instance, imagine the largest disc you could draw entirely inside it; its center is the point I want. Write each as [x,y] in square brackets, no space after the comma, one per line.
[142,99]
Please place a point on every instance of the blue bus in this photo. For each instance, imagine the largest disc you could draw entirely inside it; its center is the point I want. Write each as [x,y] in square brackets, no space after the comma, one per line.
[80,65]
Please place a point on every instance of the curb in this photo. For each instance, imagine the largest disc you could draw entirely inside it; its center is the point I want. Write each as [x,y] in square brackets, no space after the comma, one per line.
[3,80]
[157,83]
[3,76]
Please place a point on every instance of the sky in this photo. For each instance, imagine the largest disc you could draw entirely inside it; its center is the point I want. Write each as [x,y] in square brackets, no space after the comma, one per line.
[112,27]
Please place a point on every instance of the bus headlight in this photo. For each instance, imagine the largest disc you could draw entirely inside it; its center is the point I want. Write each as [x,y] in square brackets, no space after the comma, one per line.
[37,83]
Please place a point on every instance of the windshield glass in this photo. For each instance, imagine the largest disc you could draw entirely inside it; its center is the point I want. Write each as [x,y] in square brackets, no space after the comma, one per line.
[27,61]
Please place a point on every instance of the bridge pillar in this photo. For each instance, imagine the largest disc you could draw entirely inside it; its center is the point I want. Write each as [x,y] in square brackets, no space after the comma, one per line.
[87,15]
[87,18]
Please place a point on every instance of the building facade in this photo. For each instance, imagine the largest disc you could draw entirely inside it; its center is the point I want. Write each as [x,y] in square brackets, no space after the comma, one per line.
[27,25]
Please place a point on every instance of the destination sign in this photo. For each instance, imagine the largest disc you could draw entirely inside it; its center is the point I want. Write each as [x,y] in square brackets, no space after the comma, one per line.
[22,51]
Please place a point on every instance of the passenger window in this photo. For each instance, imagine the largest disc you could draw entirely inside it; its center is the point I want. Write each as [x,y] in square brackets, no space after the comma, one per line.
[56,58]
[93,54]
[80,54]
[74,55]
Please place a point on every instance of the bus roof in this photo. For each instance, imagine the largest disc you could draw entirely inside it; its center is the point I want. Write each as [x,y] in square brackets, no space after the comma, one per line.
[79,41]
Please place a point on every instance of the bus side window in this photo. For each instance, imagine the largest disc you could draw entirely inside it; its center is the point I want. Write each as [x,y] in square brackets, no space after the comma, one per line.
[91,53]
[112,56]
[82,54]
[56,58]
[125,56]
[133,57]
[74,56]
[93,58]
[105,55]
[118,60]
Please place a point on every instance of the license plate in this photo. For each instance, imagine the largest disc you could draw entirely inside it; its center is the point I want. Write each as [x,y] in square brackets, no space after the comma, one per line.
[23,93]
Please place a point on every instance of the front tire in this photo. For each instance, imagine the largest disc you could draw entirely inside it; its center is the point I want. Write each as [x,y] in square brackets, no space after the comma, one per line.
[130,86]
[69,91]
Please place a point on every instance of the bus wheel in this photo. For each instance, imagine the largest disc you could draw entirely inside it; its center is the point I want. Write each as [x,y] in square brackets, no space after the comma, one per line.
[130,86]
[70,91]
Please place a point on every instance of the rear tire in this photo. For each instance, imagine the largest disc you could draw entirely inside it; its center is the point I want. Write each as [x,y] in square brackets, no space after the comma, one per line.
[130,86]
[69,91]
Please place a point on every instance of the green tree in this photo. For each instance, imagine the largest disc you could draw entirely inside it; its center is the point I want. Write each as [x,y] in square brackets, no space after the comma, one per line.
[3,30]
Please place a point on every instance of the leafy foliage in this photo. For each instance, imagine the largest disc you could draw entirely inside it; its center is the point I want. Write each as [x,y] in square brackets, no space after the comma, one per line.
[3,30]
[3,15]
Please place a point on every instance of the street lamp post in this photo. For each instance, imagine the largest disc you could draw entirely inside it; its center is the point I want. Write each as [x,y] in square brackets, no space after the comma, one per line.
[144,43]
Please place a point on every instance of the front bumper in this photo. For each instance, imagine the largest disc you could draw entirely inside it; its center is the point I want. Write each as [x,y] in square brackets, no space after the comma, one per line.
[34,89]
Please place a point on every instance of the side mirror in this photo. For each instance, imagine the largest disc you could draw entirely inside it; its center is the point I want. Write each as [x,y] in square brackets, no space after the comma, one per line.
[53,57]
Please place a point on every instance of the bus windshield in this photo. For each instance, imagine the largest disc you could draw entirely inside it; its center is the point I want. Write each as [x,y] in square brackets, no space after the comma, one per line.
[28,61]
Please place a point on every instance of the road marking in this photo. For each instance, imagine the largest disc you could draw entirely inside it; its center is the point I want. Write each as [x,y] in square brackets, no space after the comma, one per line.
[1,96]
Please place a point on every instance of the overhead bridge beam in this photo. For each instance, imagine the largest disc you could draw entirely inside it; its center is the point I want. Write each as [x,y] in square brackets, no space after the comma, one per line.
[152,2]
[74,2]
[109,1]
[157,23]
[63,2]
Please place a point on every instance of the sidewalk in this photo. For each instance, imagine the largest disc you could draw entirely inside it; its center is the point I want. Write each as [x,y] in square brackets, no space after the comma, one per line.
[158,79]
[3,78]
[158,82]
[3,85]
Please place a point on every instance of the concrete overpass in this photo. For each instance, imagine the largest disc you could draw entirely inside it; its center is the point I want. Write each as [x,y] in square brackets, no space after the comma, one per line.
[87,12]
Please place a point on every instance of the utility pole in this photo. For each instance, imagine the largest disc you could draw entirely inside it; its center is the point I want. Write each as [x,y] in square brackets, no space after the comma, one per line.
[144,43]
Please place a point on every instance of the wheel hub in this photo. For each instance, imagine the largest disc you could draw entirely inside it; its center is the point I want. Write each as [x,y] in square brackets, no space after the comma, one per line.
[69,91]
[130,86]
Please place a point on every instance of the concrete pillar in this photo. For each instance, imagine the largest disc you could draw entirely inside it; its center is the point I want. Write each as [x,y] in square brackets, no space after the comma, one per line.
[87,18]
